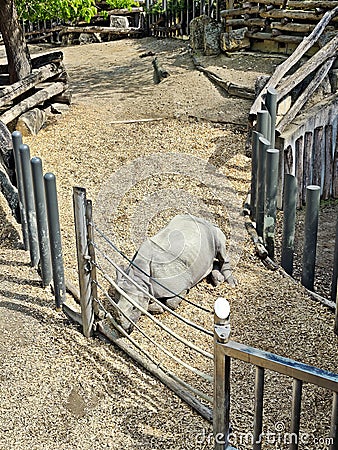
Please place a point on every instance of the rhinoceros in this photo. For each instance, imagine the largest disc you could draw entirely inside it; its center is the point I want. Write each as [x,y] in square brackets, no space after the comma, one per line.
[170,263]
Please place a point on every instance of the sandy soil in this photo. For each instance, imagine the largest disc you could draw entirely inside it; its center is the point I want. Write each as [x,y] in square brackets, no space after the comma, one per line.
[61,390]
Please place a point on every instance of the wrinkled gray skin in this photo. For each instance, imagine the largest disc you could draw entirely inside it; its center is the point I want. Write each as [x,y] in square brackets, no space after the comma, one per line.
[179,256]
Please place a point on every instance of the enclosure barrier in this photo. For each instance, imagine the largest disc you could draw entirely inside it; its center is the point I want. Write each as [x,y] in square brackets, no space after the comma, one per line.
[40,218]
[225,350]
[273,183]
[96,278]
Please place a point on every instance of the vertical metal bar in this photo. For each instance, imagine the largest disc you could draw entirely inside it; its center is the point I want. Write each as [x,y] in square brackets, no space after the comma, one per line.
[263,123]
[334,423]
[295,414]
[41,220]
[271,105]
[258,418]
[29,204]
[272,159]
[83,259]
[263,145]
[17,141]
[55,240]
[91,251]
[310,237]
[289,223]
[254,169]
[221,406]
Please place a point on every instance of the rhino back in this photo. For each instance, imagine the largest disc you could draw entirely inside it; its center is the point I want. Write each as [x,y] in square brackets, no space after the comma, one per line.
[181,254]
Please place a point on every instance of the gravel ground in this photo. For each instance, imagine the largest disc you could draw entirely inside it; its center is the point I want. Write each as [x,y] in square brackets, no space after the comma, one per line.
[61,390]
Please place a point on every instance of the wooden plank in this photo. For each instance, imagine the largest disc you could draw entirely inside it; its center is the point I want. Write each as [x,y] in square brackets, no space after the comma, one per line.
[270,37]
[39,97]
[328,51]
[303,47]
[239,11]
[305,95]
[335,169]
[9,93]
[295,27]
[107,30]
[328,163]
[312,4]
[292,14]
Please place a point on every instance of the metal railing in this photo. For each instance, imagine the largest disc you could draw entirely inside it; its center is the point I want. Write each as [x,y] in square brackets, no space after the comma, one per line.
[225,350]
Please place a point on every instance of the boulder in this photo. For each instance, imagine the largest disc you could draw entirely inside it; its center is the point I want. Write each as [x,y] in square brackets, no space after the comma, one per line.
[205,35]
[119,22]
[234,40]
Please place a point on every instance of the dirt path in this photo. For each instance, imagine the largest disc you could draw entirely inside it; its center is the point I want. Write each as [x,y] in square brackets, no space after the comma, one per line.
[60,390]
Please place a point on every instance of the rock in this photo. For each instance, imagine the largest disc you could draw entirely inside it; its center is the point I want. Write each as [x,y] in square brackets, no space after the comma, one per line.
[119,22]
[89,38]
[234,40]
[205,35]
[31,122]
[64,97]
[59,108]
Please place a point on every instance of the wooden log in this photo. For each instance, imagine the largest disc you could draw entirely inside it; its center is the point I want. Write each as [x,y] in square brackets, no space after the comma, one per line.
[159,72]
[125,11]
[305,95]
[288,160]
[239,11]
[303,47]
[39,97]
[317,151]
[42,60]
[245,22]
[9,93]
[106,30]
[10,192]
[270,37]
[230,88]
[292,14]
[327,185]
[296,27]
[328,51]
[312,4]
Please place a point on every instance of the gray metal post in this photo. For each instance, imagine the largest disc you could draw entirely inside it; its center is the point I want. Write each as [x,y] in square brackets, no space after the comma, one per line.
[221,406]
[41,220]
[310,238]
[17,141]
[83,258]
[29,204]
[258,416]
[289,223]
[55,240]
[334,423]
[271,105]
[272,158]
[263,145]
[254,167]
[263,123]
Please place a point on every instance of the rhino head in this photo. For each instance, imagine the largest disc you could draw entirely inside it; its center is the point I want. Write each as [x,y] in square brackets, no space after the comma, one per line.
[127,314]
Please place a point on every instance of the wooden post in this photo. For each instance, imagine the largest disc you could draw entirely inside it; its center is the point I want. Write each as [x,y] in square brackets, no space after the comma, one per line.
[91,250]
[221,407]
[335,268]
[317,156]
[83,259]
[254,168]
[307,166]
[327,185]
[299,157]
[263,145]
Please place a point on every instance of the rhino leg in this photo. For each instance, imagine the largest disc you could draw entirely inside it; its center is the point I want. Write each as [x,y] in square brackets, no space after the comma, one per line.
[224,260]
[173,302]
[155,308]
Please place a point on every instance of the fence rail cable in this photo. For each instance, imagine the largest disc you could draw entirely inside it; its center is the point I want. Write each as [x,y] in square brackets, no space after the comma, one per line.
[144,291]
[152,359]
[130,261]
[158,322]
[163,349]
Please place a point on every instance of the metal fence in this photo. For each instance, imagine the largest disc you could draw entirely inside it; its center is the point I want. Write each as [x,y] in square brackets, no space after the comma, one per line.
[226,350]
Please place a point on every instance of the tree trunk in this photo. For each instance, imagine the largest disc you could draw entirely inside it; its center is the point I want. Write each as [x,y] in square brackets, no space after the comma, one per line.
[19,63]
